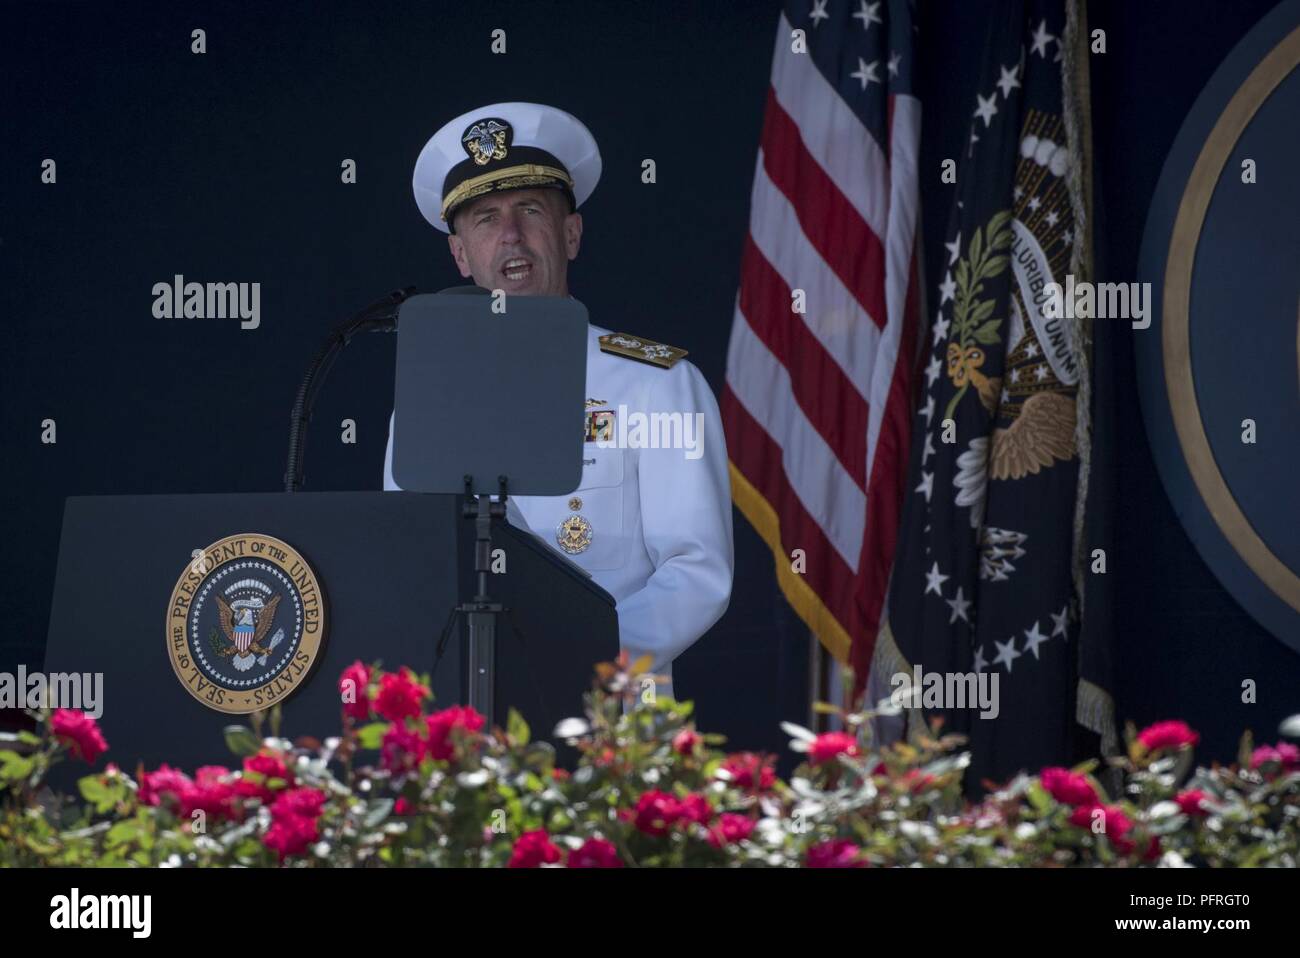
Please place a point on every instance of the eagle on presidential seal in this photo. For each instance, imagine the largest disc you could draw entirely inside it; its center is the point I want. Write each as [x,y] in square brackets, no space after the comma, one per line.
[245,623]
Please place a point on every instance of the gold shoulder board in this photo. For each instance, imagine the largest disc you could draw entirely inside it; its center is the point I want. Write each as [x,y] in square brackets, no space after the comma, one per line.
[641,349]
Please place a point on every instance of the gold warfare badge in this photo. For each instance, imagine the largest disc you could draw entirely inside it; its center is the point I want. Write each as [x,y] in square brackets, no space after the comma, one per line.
[245,623]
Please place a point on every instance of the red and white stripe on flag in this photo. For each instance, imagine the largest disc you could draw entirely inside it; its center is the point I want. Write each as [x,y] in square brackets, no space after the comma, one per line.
[817,405]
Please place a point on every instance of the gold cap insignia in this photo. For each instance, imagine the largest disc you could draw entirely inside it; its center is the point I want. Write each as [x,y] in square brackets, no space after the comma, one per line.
[487,140]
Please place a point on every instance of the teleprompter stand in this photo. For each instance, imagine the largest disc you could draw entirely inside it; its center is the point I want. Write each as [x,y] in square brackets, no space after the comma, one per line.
[481,612]
[488,387]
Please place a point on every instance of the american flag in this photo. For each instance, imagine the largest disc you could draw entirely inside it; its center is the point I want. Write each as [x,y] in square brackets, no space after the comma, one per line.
[817,407]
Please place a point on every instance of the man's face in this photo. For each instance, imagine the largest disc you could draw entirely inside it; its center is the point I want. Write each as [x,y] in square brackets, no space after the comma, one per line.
[519,241]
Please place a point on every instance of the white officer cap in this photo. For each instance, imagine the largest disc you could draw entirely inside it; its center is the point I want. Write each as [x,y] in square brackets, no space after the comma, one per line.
[505,146]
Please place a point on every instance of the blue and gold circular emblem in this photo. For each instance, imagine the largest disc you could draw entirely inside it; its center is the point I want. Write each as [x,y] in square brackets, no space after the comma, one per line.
[1220,367]
[245,623]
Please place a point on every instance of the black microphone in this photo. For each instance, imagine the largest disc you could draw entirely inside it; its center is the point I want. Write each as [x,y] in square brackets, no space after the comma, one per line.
[379,317]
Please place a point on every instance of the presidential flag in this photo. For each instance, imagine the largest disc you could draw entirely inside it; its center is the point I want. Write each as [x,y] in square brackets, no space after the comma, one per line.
[817,403]
[992,554]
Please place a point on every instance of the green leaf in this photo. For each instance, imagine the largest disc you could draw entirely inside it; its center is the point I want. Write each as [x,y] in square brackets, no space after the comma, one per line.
[962,274]
[982,311]
[15,767]
[97,793]
[976,248]
[122,833]
[998,220]
[988,333]
[372,735]
[517,728]
[24,737]
[241,740]
[378,811]
[1244,750]
[994,267]
[1038,797]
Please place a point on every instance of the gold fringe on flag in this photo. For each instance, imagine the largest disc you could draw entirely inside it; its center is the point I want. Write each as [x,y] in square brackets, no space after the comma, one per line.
[1094,706]
[805,602]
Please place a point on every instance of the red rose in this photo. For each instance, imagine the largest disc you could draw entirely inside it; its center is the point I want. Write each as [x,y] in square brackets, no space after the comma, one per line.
[403,807]
[268,765]
[298,803]
[731,828]
[1068,788]
[656,812]
[1152,853]
[1189,802]
[211,792]
[355,683]
[694,808]
[399,696]
[291,835]
[917,781]
[749,771]
[212,774]
[215,799]
[560,774]
[684,742]
[533,850]
[79,732]
[1167,735]
[595,853]
[1116,825]
[825,747]
[441,724]
[1284,755]
[837,853]
[401,749]
[293,821]
[165,780]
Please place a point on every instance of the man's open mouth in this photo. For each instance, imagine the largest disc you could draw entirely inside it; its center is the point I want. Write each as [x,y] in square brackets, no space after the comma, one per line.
[516,269]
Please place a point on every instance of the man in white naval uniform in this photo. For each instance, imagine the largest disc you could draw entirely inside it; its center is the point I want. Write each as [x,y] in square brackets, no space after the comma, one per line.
[651,524]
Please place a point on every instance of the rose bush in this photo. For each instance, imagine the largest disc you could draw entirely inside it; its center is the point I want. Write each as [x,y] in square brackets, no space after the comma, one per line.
[407,785]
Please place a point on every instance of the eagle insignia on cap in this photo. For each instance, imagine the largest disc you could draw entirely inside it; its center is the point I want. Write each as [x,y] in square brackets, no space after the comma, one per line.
[487,140]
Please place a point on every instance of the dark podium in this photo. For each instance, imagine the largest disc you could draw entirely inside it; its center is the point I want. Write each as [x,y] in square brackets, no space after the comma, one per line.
[390,566]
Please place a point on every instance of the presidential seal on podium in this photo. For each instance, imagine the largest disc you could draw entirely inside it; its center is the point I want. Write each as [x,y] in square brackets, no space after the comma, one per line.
[245,623]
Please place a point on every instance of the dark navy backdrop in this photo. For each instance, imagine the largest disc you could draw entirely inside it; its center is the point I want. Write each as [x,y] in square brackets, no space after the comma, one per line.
[225,168]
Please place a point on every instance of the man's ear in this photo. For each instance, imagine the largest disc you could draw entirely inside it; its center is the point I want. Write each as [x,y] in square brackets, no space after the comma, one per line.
[457,247]
[572,234]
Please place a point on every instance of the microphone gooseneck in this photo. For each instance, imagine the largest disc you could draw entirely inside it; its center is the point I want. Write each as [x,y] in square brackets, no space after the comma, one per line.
[380,317]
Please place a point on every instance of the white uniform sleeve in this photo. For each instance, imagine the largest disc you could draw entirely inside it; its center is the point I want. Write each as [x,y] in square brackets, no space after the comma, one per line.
[389,485]
[686,522]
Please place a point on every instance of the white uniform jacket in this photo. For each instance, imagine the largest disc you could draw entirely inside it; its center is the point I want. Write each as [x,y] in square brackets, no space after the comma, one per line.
[658,519]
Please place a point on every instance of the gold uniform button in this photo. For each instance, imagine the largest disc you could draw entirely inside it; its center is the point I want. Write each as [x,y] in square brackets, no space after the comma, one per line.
[575,504]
